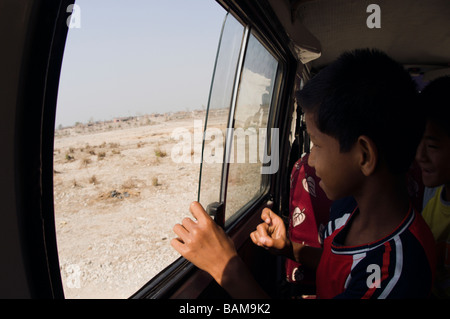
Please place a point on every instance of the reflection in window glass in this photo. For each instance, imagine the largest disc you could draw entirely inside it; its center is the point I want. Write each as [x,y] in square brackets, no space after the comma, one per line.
[133,72]
[250,126]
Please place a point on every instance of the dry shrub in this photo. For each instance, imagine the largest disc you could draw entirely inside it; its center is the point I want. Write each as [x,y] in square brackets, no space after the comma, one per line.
[114,145]
[101,155]
[160,153]
[69,158]
[155,181]
[129,183]
[84,162]
[93,180]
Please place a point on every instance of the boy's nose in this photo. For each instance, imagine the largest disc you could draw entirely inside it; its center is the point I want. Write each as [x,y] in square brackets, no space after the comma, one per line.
[311,159]
[421,154]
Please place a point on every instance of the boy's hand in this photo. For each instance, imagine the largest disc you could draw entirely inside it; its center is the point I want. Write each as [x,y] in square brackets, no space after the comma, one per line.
[204,243]
[272,233]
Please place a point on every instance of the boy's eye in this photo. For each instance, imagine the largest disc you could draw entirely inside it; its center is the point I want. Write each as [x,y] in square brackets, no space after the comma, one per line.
[433,146]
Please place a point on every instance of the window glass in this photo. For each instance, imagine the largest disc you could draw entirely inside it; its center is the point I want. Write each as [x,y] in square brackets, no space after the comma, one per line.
[249,147]
[134,74]
[218,111]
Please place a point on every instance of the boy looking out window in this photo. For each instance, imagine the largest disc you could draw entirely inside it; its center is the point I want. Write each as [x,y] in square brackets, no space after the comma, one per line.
[363,119]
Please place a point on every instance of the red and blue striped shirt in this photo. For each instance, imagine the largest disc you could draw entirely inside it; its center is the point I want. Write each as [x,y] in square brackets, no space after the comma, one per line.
[401,265]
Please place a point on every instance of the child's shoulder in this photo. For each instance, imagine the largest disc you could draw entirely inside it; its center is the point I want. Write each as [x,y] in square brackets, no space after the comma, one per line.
[434,202]
[340,211]
[429,193]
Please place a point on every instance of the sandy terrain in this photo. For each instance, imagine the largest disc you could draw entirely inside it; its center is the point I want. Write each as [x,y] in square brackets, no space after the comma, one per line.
[118,194]
[119,190]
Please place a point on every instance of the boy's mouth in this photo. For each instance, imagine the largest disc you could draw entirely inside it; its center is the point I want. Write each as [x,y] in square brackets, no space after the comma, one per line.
[427,171]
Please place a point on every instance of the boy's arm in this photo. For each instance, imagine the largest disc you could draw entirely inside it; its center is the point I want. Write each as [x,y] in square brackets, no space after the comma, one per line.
[239,282]
[306,255]
[207,246]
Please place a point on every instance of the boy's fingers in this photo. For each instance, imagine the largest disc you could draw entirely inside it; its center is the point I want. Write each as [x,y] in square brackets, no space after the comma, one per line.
[180,231]
[254,238]
[198,212]
[260,236]
[188,223]
[261,230]
[266,215]
[178,245]
[267,241]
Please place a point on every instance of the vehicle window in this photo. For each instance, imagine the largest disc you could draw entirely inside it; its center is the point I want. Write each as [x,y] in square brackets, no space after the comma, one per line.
[218,111]
[133,75]
[249,146]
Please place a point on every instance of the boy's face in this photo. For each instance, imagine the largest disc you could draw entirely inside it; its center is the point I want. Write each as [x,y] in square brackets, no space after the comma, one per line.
[339,172]
[433,156]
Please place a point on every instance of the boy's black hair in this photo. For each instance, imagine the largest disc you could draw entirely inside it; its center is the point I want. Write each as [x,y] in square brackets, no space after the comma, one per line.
[365,92]
[435,99]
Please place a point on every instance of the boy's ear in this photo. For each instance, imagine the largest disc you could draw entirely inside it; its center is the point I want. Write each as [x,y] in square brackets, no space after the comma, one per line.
[368,153]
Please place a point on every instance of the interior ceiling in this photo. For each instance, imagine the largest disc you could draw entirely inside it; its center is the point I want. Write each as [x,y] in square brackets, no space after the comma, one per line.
[412,31]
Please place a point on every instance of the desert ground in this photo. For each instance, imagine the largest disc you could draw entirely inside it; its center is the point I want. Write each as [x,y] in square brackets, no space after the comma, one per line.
[120,186]
[118,194]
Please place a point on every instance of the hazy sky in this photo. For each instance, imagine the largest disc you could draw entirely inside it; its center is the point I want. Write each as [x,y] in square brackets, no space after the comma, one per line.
[131,57]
